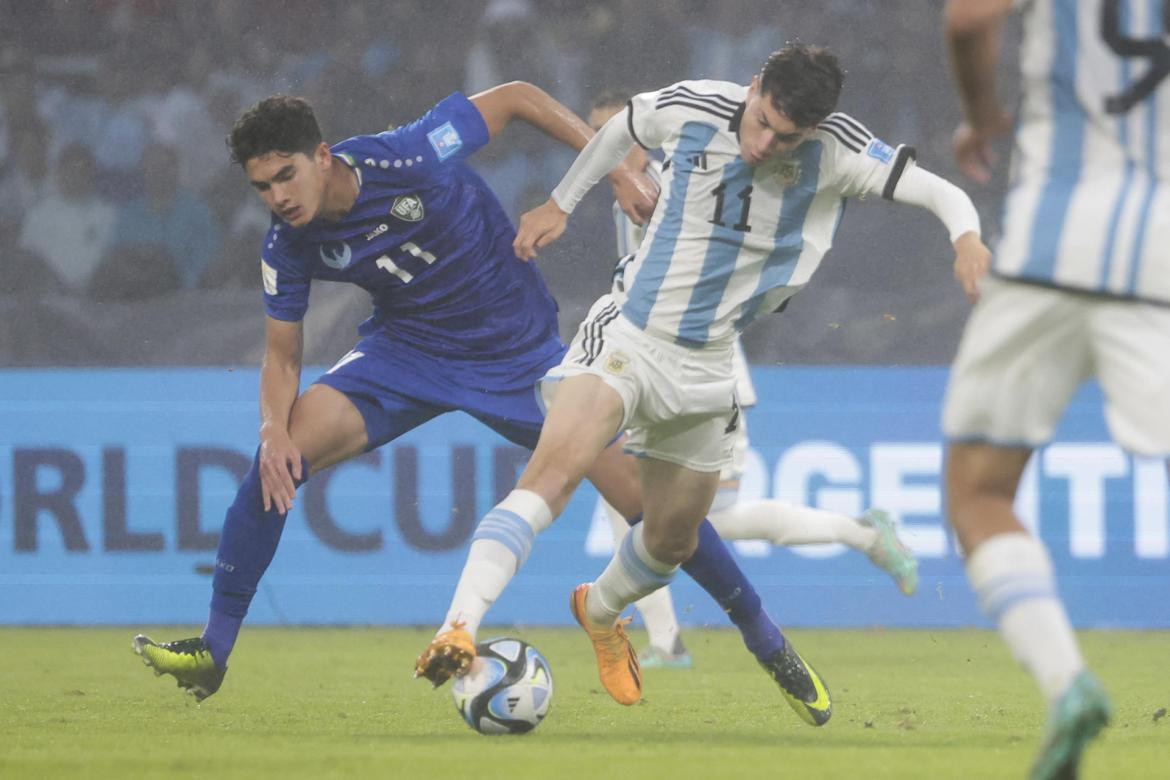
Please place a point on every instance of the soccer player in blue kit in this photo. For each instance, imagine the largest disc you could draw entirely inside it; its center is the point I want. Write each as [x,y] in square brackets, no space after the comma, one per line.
[459,323]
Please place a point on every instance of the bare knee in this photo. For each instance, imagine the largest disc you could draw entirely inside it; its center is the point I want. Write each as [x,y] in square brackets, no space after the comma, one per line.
[983,472]
[552,478]
[669,544]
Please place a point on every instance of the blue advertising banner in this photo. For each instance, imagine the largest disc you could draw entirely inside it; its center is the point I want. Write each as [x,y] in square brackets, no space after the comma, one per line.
[113,486]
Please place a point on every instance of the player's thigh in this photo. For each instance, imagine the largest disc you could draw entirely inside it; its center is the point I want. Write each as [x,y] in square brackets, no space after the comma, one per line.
[1024,352]
[676,501]
[582,420]
[1131,351]
[615,475]
[326,427]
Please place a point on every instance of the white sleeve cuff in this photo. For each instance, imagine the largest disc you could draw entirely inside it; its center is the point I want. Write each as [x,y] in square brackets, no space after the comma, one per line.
[950,204]
[603,152]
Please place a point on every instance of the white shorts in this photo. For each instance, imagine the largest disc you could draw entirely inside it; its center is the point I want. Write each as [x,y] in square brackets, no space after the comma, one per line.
[1027,348]
[679,403]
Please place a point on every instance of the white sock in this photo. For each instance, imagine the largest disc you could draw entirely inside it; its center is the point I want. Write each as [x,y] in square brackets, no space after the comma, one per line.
[499,547]
[657,609]
[658,614]
[1012,576]
[785,524]
[631,574]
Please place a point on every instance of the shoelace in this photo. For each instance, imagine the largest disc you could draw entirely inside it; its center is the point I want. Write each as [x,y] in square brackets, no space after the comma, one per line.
[615,642]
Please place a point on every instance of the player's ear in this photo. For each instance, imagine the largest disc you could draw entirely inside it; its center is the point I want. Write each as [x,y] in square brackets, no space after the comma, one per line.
[322,156]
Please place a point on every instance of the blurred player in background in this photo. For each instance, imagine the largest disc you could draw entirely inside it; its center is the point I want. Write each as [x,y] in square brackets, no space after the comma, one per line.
[772,520]
[459,323]
[1080,288]
[753,185]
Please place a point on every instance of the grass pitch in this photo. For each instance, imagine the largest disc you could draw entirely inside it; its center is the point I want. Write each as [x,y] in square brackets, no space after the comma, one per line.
[340,703]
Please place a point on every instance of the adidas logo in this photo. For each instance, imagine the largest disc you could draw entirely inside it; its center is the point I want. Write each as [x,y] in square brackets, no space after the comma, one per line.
[512,702]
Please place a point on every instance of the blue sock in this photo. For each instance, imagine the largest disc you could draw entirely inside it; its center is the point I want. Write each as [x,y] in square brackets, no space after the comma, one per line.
[717,572]
[246,546]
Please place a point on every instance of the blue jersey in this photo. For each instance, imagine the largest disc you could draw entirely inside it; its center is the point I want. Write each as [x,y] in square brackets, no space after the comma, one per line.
[430,243]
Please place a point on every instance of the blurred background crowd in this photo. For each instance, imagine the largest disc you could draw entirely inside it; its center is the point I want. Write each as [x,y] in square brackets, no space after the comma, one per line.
[127,238]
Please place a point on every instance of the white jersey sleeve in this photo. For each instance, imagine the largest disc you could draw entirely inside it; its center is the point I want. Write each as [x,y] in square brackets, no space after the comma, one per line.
[862,164]
[654,117]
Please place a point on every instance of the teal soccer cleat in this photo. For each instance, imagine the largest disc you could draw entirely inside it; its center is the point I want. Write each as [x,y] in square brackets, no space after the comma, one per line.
[1076,719]
[803,689]
[654,657]
[188,660]
[888,552]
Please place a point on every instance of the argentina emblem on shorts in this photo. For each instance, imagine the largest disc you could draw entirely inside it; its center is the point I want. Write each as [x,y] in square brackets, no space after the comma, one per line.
[616,363]
[408,208]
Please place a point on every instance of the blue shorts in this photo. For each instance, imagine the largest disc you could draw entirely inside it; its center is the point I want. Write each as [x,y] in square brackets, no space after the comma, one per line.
[396,388]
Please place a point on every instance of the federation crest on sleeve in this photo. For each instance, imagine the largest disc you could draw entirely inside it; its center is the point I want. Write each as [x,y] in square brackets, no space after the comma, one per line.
[408,208]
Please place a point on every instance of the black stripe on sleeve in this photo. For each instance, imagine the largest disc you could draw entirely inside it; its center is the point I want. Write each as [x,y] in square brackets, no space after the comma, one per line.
[905,155]
[681,90]
[845,130]
[630,124]
[722,113]
[849,121]
[844,140]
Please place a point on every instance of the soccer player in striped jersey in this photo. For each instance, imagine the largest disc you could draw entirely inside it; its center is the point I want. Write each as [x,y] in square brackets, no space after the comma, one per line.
[1080,288]
[753,187]
[458,324]
[772,520]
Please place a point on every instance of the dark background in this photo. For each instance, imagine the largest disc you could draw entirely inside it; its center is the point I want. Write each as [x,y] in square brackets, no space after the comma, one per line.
[112,118]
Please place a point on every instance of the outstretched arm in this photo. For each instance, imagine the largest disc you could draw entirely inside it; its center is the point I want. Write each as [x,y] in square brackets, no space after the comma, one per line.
[955,210]
[973,38]
[545,223]
[635,192]
[280,379]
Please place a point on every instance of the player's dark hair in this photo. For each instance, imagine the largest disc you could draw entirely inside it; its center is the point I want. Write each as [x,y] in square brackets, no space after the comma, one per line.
[803,82]
[280,123]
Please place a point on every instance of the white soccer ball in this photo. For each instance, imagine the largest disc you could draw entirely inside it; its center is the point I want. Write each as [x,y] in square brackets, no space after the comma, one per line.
[508,689]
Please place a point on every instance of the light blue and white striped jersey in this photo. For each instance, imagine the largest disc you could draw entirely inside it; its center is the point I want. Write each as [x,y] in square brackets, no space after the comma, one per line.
[629,235]
[728,241]
[629,238]
[1089,204]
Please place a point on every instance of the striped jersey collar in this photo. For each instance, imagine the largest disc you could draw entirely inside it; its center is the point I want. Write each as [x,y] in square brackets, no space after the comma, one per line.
[733,123]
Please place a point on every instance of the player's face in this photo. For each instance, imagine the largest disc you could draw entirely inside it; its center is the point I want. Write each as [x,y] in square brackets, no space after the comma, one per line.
[291,185]
[765,131]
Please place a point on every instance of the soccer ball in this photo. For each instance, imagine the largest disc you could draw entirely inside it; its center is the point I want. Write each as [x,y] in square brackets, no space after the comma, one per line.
[507,690]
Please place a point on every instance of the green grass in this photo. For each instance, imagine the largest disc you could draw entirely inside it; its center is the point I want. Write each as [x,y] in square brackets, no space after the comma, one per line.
[321,703]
